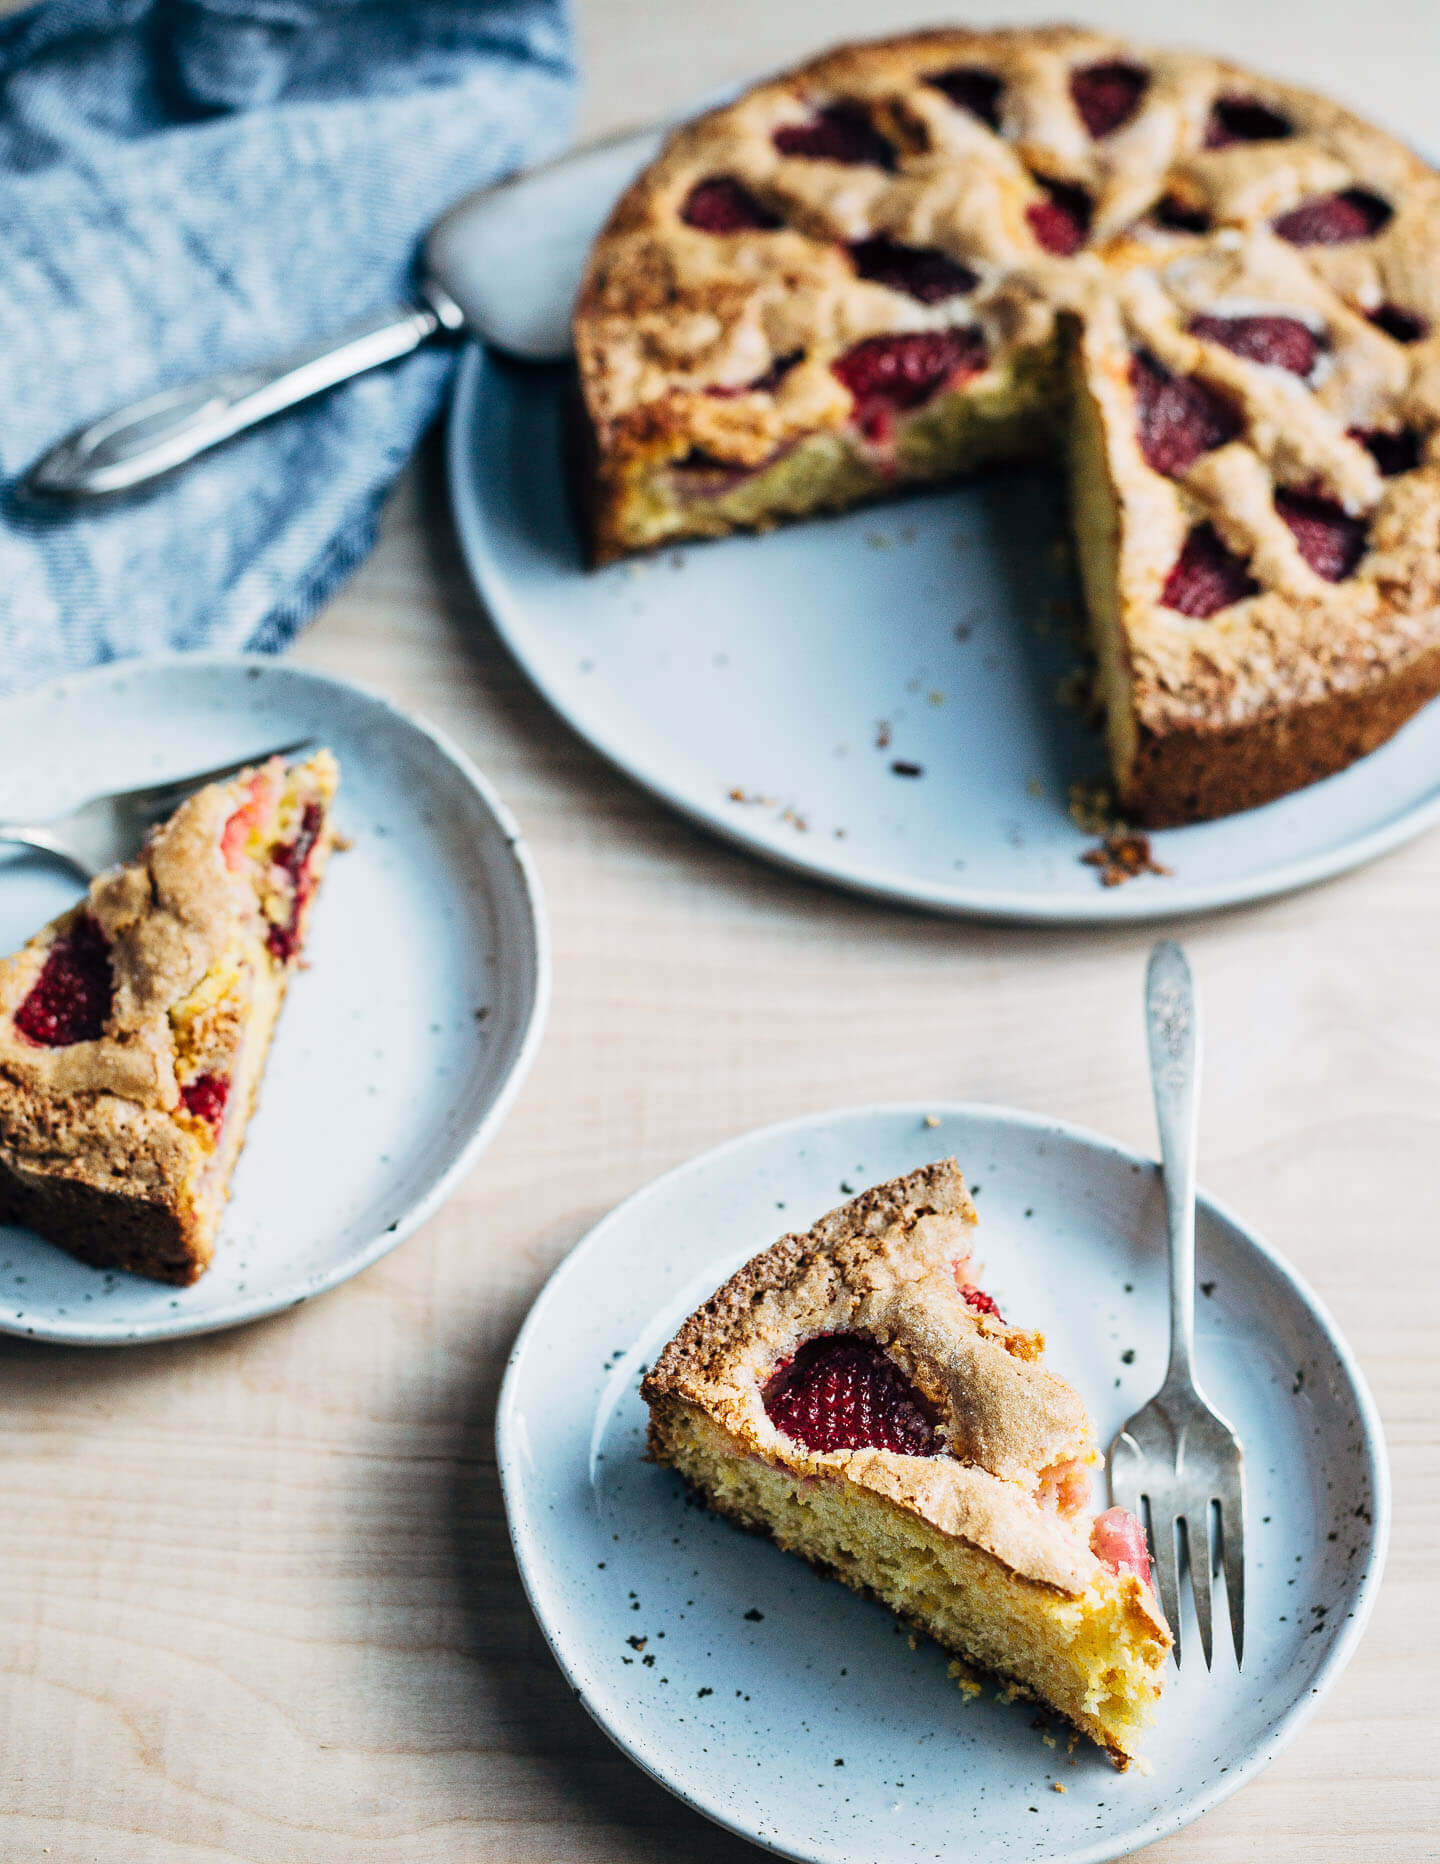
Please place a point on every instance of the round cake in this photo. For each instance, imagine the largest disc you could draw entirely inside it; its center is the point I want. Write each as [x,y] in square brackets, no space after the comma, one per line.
[1217,295]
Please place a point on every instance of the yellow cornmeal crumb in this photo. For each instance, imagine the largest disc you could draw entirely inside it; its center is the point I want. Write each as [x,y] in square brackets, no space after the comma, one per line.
[1059,1786]
[932,1119]
[965,1678]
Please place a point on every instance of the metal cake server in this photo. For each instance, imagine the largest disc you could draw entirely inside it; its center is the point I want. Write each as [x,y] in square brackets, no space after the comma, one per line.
[1177,1457]
[110,829]
[502,264]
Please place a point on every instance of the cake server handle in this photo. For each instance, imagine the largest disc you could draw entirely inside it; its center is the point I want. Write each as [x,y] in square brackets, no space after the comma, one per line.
[127,449]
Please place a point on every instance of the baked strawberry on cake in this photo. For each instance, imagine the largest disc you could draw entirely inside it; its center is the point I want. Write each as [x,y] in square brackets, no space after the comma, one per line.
[855,1395]
[134,1028]
[907,259]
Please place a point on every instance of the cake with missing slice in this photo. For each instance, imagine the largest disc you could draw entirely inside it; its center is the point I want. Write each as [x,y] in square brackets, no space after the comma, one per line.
[906,260]
[856,1396]
[134,1029]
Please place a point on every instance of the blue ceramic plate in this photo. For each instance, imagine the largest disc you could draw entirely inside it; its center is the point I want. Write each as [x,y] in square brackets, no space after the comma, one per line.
[871,699]
[792,1711]
[404,1038]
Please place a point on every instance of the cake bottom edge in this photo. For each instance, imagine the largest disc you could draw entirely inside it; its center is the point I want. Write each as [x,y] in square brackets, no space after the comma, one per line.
[799,1516]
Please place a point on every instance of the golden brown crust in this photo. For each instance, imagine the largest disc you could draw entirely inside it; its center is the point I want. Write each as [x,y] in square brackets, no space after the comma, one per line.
[108,1228]
[668,314]
[885,1265]
[1195,773]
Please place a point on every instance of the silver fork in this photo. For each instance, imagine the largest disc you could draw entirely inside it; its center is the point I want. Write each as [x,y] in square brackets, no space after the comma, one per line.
[110,829]
[1177,1459]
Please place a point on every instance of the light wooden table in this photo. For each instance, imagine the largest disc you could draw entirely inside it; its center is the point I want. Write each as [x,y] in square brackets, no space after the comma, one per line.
[257,1600]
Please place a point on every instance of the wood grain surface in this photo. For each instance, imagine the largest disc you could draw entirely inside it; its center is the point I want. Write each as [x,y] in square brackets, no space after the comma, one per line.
[258,1599]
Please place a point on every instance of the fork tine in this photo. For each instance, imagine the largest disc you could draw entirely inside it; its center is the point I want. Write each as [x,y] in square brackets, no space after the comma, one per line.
[1167,1570]
[1197,1544]
[161,798]
[1232,1542]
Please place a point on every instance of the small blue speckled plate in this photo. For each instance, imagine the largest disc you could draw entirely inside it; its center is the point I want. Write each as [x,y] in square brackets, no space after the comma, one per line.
[404,1038]
[873,699]
[796,1713]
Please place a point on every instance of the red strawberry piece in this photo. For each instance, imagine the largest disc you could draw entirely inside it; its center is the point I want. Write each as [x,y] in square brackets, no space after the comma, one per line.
[293,858]
[205,1097]
[885,374]
[839,133]
[1179,417]
[970,88]
[844,1392]
[763,384]
[1394,450]
[724,205]
[1244,119]
[70,999]
[978,1299]
[1207,577]
[1403,326]
[920,271]
[1173,214]
[243,819]
[1329,539]
[1061,222]
[1108,95]
[1282,342]
[1118,1541]
[1334,219]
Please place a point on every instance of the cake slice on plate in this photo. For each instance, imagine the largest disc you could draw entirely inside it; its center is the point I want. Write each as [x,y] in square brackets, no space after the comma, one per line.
[855,1395]
[134,1028]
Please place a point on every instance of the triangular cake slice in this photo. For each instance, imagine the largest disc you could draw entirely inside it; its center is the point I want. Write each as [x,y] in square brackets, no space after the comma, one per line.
[853,1394]
[134,1028]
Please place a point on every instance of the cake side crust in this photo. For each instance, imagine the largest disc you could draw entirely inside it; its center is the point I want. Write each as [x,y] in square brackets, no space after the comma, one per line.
[1184,774]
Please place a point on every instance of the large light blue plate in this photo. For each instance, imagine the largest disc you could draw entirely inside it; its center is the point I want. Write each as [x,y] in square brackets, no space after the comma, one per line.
[405,1036]
[769,687]
[742,1681]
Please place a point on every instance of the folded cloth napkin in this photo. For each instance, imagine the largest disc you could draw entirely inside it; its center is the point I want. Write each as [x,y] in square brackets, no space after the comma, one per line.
[188,185]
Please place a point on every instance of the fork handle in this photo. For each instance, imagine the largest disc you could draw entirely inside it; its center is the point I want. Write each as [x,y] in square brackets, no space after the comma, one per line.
[1172,1021]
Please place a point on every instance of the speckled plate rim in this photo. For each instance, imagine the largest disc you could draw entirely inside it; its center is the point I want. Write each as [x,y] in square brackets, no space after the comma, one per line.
[1111,906]
[510,1437]
[366,1254]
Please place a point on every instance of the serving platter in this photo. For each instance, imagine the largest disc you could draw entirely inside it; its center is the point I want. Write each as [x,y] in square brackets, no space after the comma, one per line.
[882,700]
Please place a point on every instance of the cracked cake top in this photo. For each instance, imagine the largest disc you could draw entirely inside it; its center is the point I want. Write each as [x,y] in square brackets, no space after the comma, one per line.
[975,1434]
